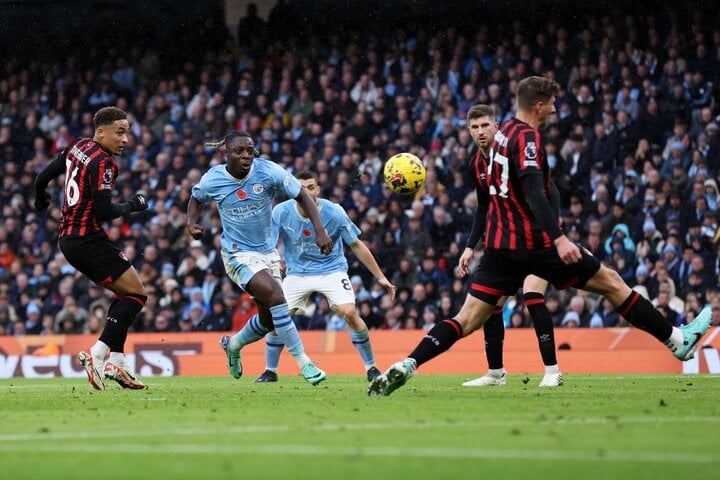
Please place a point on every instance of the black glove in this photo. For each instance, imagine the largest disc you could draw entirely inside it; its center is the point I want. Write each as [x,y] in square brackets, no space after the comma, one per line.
[42,201]
[137,203]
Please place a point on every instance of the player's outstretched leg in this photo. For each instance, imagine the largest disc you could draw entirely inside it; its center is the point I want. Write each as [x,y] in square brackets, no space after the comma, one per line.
[287,332]
[394,377]
[692,333]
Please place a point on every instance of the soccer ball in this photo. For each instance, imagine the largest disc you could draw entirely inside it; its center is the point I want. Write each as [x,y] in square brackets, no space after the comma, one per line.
[404,173]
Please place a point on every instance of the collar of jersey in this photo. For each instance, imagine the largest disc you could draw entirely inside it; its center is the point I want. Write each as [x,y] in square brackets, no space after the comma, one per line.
[238,180]
[297,209]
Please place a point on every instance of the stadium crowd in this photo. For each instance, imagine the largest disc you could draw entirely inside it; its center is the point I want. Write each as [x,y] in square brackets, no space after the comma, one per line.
[634,149]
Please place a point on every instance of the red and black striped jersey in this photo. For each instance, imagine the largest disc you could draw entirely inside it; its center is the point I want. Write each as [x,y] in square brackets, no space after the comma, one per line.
[516,151]
[90,172]
[478,168]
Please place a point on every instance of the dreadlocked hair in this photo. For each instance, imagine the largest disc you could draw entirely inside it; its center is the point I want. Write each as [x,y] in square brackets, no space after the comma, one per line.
[226,140]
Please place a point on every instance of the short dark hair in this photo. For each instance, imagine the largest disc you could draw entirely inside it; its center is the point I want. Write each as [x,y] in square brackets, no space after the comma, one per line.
[306,175]
[535,89]
[480,110]
[108,116]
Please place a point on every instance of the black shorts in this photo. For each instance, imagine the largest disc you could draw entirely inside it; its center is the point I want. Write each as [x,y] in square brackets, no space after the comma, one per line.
[95,256]
[502,272]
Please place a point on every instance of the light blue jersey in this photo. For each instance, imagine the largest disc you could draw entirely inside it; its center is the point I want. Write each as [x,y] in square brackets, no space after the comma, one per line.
[302,254]
[245,206]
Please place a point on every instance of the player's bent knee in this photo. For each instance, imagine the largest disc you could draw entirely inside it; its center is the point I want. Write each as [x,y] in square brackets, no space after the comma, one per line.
[534,284]
[605,280]
[349,313]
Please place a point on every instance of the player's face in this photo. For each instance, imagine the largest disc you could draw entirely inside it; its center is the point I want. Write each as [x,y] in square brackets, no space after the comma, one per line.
[240,155]
[545,109]
[113,137]
[482,130]
[311,186]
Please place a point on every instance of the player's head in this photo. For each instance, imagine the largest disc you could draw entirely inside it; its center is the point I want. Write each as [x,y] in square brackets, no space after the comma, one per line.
[536,96]
[240,151]
[111,129]
[481,124]
[309,181]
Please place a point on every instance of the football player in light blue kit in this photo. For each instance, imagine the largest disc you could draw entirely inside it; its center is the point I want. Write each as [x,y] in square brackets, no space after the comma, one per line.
[243,191]
[309,271]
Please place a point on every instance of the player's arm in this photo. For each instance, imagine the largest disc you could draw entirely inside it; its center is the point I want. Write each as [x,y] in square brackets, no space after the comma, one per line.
[194,210]
[540,205]
[105,209]
[363,253]
[555,199]
[476,232]
[322,238]
[102,182]
[545,217]
[53,170]
[529,171]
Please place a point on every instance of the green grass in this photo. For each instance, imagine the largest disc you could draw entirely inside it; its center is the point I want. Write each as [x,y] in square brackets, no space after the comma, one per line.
[615,427]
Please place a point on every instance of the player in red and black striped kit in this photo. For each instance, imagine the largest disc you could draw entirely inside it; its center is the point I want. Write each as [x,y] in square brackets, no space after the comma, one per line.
[482,127]
[522,237]
[90,173]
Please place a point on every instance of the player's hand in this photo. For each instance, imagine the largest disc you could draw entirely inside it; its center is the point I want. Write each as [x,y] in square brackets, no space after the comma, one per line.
[138,203]
[196,231]
[568,252]
[389,287]
[464,263]
[323,241]
[42,201]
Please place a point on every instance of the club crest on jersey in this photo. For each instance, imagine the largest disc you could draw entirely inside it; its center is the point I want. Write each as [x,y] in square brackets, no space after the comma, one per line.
[306,232]
[241,194]
[257,188]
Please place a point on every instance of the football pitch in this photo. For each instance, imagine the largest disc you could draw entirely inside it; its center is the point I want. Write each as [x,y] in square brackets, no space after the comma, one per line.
[596,426]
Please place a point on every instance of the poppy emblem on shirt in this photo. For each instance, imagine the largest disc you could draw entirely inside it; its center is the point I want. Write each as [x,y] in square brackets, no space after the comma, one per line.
[241,194]
[306,232]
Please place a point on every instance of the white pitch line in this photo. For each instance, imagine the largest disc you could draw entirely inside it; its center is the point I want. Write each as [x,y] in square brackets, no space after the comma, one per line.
[248,429]
[324,450]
